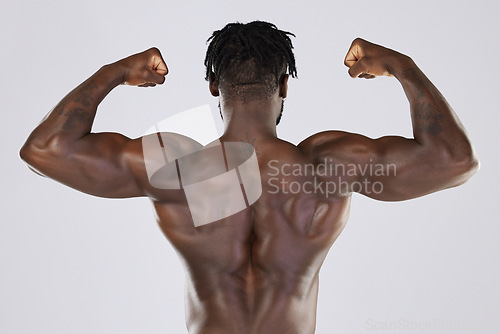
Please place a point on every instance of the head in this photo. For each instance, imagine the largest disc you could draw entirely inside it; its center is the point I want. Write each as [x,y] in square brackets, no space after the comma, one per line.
[249,61]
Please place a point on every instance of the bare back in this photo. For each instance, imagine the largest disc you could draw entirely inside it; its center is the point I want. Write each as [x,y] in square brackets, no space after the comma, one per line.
[257,271]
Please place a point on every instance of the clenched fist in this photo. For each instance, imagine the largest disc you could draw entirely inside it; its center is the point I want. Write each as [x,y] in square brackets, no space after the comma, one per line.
[368,60]
[145,69]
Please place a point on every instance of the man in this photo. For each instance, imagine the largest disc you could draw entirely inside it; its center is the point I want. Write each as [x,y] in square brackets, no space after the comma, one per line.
[256,271]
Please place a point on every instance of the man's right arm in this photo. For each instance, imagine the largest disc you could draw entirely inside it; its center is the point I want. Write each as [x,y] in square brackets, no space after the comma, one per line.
[105,164]
[439,155]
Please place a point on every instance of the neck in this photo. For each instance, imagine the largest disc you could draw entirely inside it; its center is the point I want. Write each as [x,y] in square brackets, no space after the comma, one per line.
[256,118]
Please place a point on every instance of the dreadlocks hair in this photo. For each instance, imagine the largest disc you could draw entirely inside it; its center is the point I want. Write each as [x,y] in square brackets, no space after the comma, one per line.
[248,60]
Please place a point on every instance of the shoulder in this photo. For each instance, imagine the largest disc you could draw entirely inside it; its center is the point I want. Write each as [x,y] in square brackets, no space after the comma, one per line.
[153,155]
[321,138]
[160,145]
[335,143]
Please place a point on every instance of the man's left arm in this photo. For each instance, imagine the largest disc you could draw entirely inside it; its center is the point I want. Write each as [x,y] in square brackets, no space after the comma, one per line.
[394,168]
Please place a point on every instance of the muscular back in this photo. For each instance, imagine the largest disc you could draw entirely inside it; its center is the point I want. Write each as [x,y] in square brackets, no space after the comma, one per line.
[257,271]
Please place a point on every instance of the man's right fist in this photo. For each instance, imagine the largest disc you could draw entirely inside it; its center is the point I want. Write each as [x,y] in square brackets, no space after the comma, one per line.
[368,60]
[145,69]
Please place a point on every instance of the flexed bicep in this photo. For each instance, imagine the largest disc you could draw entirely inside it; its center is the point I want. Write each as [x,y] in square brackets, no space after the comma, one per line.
[395,168]
[390,168]
[99,164]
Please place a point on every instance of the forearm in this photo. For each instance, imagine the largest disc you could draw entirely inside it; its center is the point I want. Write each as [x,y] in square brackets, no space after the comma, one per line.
[435,125]
[72,118]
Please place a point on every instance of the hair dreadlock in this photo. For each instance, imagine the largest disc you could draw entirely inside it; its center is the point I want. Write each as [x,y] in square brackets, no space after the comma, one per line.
[249,59]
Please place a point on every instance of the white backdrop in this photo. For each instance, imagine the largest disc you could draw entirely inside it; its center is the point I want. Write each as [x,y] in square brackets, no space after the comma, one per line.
[73,263]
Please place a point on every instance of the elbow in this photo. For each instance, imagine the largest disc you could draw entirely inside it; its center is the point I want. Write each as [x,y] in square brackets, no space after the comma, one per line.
[24,153]
[27,156]
[468,161]
[39,155]
[463,166]
[27,153]
[473,163]
[469,167]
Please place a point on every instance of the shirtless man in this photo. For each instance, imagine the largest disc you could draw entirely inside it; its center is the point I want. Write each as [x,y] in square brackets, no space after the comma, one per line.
[256,271]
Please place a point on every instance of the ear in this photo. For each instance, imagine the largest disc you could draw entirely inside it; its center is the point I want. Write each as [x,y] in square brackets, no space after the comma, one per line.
[283,86]
[213,86]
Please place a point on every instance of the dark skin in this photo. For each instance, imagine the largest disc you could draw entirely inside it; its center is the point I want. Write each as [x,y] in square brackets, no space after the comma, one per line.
[257,271]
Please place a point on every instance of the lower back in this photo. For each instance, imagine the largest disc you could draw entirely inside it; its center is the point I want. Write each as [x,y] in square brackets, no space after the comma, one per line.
[251,303]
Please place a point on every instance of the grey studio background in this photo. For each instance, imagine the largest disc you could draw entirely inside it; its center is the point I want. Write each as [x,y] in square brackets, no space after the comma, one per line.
[73,263]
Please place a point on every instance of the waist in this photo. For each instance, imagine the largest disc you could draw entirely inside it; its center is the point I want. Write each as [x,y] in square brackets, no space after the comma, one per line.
[253,303]
[250,280]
